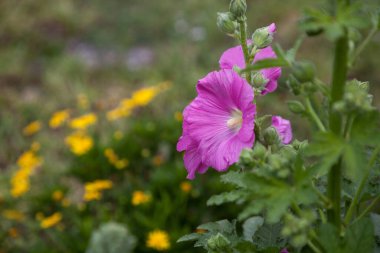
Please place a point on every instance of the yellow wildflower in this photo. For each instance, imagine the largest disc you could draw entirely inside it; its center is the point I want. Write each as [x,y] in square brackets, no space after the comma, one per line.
[118,135]
[140,197]
[82,101]
[178,116]
[59,118]
[158,160]
[93,190]
[57,195]
[13,232]
[143,96]
[79,142]
[28,159]
[35,146]
[84,121]
[50,221]
[32,128]
[186,187]
[114,159]
[158,240]
[117,113]
[13,215]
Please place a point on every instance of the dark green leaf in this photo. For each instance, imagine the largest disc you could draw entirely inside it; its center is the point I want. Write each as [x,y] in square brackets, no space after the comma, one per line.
[250,227]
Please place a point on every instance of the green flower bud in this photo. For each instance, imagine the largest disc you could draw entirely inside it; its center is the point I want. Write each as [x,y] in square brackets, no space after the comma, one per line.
[271,136]
[218,242]
[300,145]
[259,80]
[226,23]
[304,71]
[259,151]
[296,107]
[294,85]
[238,8]
[263,37]
[246,156]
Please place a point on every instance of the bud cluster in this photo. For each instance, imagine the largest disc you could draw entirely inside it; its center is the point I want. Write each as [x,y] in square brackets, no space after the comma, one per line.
[218,243]
[297,227]
[302,78]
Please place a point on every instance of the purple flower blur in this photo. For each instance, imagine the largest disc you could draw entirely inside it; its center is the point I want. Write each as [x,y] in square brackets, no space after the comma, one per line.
[218,124]
[284,129]
[284,251]
[235,57]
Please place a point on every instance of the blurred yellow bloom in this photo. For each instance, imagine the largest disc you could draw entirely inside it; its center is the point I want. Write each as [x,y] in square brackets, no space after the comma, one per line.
[158,160]
[13,232]
[140,197]
[178,116]
[13,215]
[50,221]
[84,121]
[93,190]
[158,240]
[186,187]
[57,195]
[27,163]
[32,128]
[82,101]
[79,142]
[143,96]
[59,118]
[35,146]
[118,113]
[66,202]
[114,159]
[118,135]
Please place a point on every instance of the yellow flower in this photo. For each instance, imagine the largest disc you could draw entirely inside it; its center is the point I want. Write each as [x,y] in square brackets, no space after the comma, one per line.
[140,197]
[35,146]
[93,190]
[32,128]
[13,215]
[50,221]
[114,159]
[28,159]
[79,142]
[117,113]
[158,240]
[121,164]
[59,118]
[158,160]
[57,195]
[186,187]
[118,135]
[84,121]
[178,116]
[13,232]
[143,96]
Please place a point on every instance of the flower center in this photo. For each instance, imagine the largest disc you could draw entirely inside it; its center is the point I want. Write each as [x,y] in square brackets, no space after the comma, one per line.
[236,120]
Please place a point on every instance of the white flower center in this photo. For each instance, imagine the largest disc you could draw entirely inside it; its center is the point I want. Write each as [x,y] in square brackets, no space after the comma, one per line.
[236,120]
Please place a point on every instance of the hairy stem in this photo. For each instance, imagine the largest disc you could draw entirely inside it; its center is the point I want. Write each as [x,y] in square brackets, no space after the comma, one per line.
[337,90]
[243,42]
[313,115]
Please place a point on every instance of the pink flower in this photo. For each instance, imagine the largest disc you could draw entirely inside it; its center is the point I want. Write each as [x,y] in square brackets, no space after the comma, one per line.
[284,251]
[235,57]
[218,124]
[284,129]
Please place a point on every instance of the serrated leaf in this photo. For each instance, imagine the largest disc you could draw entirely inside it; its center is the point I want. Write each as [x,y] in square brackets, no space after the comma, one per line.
[226,197]
[250,227]
[354,162]
[234,178]
[269,236]
[360,237]
[189,237]
[220,226]
[328,237]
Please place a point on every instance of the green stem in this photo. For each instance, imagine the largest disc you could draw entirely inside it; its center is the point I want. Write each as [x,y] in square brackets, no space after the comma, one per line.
[337,89]
[313,247]
[368,209]
[313,115]
[363,45]
[363,182]
[243,42]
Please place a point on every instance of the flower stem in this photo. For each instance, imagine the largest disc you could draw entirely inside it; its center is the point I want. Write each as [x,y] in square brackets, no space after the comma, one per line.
[358,193]
[337,89]
[363,45]
[368,209]
[243,42]
[313,115]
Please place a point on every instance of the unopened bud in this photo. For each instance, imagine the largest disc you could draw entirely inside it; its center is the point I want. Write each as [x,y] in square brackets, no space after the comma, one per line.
[294,85]
[226,23]
[263,37]
[304,71]
[271,136]
[218,242]
[238,8]
[259,80]
[296,107]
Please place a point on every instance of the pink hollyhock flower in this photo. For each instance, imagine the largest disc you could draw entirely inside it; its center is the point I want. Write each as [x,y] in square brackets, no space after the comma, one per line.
[235,57]
[284,251]
[218,124]
[284,129]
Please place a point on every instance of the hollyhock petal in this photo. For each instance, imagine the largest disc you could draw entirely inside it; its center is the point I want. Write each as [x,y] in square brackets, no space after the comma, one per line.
[223,98]
[193,161]
[284,129]
[232,57]
[272,28]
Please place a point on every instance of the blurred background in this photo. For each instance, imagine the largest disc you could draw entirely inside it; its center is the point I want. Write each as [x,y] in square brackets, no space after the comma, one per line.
[91,95]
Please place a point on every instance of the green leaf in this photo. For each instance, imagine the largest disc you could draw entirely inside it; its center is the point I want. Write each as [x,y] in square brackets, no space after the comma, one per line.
[189,237]
[234,178]
[224,226]
[225,197]
[269,236]
[328,147]
[360,237]
[354,162]
[250,227]
[329,239]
